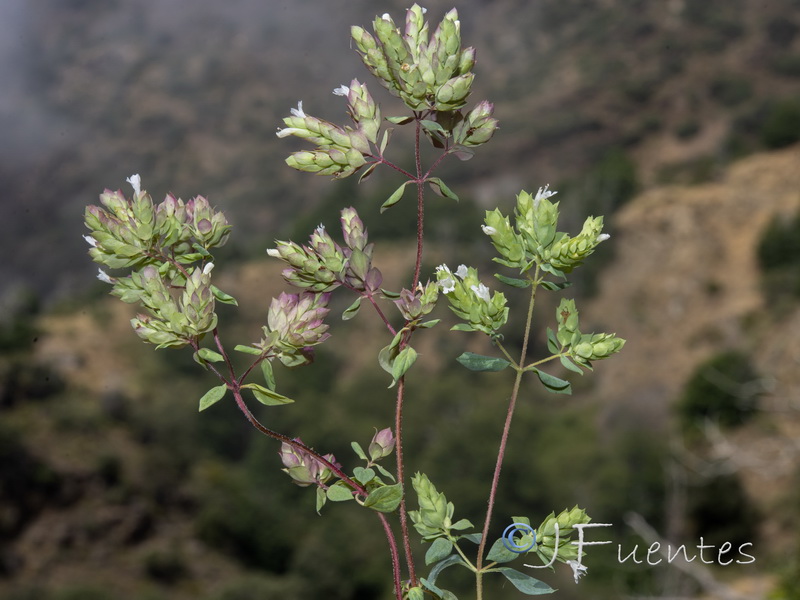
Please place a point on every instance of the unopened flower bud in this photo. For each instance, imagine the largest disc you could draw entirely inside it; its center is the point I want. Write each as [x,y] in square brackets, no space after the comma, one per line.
[382,444]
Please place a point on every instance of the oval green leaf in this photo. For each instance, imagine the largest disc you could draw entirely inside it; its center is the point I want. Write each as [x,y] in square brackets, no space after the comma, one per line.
[339,492]
[209,355]
[552,383]
[439,550]
[385,499]
[526,584]
[213,396]
[513,282]
[478,362]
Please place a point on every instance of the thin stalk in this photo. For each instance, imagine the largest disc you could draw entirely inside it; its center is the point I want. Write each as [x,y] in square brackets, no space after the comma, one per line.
[503,442]
[398,449]
[234,385]
[420,207]
[398,413]
[398,584]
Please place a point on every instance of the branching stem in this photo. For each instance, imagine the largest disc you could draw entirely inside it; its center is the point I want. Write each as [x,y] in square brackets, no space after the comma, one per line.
[503,441]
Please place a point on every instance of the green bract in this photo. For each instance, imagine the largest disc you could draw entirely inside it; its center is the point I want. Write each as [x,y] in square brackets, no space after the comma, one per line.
[583,347]
[471,300]
[426,72]
[534,239]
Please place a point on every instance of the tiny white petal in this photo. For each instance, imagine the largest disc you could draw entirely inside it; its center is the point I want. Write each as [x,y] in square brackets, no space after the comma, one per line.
[488,229]
[282,133]
[577,569]
[274,252]
[342,90]
[386,17]
[103,276]
[136,182]
[424,10]
[444,268]
[207,268]
[462,271]
[542,193]
[448,284]
[298,112]
[602,237]
[91,241]
[481,291]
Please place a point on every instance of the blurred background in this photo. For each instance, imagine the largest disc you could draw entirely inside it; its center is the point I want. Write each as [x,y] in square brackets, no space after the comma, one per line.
[679,120]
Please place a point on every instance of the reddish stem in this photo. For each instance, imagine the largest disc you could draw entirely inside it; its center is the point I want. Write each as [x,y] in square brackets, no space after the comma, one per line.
[398,434]
[504,440]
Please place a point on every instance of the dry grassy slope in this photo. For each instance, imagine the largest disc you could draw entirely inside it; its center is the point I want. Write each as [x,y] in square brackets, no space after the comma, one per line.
[685,278]
[685,285]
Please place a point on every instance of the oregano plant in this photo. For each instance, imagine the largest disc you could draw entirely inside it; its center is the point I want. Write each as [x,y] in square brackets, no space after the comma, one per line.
[161,257]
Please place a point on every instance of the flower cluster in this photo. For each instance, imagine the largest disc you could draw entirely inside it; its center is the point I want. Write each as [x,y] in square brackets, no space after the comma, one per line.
[303,468]
[425,72]
[128,233]
[415,305]
[168,245]
[340,151]
[583,347]
[471,300]
[553,536]
[173,322]
[295,324]
[435,515]
[534,239]
[323,265]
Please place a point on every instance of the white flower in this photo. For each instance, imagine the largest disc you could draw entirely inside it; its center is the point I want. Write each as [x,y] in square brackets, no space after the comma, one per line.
[274,252]
[462,271]
[542,193]
[577,569]
[103,276]
[481,291]
[386,17]
[488,229]
[136,182]
[602,237]
[207,268]
[91,241]
[448,284]
[298,112]
[342,90]
[282,133]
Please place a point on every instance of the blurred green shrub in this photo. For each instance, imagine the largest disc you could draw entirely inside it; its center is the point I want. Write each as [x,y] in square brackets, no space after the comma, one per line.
[687,129]
[779,256]
[165,566]
[787,65]
[781,126]
[730,90]
[721,390]
[719,511]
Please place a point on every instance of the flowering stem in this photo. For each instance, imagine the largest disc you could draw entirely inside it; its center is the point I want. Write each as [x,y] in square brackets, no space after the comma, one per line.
[391,165]
[234,385]
[398,449]
[398,588]
[503,442]
[420,205]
